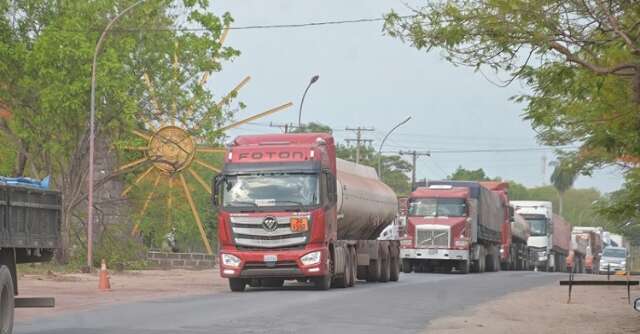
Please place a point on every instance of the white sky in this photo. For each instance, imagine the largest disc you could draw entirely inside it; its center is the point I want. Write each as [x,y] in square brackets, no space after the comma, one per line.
[368,79]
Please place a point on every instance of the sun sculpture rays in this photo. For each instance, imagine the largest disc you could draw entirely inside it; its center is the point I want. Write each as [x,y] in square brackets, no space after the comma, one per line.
[171,149]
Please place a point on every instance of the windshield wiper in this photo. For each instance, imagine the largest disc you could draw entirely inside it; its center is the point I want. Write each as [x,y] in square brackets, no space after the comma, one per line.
[299,204]
[244,202]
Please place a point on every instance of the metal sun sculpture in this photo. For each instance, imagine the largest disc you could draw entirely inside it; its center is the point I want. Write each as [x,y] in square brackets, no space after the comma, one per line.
[172,150]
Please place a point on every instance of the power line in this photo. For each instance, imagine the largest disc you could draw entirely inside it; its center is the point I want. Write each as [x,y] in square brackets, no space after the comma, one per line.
[497,150]
[252,27]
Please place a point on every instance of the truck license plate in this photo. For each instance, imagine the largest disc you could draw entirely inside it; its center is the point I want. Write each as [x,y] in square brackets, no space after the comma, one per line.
[271,258]
[432,251]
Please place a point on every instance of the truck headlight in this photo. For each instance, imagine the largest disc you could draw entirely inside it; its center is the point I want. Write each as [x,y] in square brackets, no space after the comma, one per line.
[231,260]
[464,243]
[623,263]
[406,242]
[311,258]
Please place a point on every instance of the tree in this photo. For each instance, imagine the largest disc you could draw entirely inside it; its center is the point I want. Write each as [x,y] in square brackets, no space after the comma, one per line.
[46,48]
[462,174]
[313,127]
[562,178]
[580,60]
[394,168]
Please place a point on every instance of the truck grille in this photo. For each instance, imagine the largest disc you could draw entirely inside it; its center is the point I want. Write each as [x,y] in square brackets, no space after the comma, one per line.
[251,232]
[426,238]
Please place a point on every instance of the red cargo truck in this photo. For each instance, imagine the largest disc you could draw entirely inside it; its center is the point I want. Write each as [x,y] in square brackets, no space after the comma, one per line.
[289,209]
[453,225]
[561,242]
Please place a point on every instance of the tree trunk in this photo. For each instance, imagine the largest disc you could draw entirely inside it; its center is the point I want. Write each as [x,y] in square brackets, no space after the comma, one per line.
[560,203]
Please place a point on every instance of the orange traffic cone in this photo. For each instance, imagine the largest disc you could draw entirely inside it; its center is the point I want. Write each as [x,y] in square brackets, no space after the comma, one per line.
[104,284]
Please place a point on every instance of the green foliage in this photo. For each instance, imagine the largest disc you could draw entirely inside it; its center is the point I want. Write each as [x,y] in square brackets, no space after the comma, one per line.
[46,51]
[394,168]
[462,174]
[313,127]
[8,156]
[578,58]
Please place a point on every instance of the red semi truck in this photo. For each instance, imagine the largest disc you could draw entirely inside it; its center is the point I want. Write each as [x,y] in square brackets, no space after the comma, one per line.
[289,209]
[453,225]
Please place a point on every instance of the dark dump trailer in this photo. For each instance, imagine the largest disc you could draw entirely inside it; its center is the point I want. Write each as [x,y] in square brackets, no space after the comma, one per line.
[30,218]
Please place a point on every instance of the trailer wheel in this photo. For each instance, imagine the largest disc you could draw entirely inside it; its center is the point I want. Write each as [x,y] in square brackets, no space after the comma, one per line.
[354,265]
[385,265]
[237,284]
[6,301]
[394,275]
[375,267]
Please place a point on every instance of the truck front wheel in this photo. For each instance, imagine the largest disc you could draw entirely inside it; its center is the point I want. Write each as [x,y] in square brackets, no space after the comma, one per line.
[406,266]
[237,284]
[6,301]
[322,282]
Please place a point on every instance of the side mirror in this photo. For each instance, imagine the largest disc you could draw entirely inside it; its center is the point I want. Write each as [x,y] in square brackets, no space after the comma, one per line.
[215,186]
[636,304]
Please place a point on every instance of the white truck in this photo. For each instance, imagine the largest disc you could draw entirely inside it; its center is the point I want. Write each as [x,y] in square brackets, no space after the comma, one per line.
[550,236]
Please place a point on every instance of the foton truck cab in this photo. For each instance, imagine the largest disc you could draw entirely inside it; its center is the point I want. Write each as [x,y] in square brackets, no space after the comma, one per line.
[437,229]
[288,209]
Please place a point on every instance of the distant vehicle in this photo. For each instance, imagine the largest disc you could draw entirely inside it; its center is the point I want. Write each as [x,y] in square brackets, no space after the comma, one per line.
[613,259]
[593,236]
[453,225]
[513,251]
[550,236]
[29,232]
[288,209]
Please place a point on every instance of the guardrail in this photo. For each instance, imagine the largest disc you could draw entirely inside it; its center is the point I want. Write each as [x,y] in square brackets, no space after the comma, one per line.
[628,283]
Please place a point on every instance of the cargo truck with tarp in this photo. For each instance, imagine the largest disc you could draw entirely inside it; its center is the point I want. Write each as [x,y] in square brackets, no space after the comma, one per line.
[30,216]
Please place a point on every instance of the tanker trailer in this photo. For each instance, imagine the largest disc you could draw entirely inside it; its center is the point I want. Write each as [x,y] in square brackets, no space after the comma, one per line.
[288,209]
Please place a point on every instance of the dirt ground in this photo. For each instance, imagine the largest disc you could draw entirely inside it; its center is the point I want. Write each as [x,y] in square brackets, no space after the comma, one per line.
[74,292]
[593,309]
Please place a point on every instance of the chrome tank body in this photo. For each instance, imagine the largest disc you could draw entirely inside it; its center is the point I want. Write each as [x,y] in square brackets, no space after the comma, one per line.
[365,204]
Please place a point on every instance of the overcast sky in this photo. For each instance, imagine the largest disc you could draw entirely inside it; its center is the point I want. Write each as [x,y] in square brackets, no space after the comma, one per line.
[368,79]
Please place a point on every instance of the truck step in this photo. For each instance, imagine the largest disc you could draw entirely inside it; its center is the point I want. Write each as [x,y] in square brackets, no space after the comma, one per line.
[35,302]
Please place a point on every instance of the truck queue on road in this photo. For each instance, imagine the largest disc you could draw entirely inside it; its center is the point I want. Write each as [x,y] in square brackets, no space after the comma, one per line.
[289,209]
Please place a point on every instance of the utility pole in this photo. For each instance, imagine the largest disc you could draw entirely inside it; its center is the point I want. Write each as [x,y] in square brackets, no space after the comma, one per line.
[414,157]
[359,139]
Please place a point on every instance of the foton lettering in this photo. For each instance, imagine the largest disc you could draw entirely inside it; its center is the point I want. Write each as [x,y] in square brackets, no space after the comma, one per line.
[271,155]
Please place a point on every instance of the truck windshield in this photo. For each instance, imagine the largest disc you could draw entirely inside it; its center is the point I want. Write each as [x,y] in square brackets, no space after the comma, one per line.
[537,226]
[613,252]
[267,190]
[434,207]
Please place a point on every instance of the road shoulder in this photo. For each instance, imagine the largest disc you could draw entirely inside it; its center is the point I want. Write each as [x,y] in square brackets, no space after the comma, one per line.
[79,292]
[593,309]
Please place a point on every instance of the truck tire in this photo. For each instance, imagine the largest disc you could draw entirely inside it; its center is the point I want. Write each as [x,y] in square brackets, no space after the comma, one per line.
[464,267]
[237,284]
[348,280]
[385,265]
[341,281]
[375,267]
[322,282]
[406,266]
[7,302]
[354,265]
[394,275]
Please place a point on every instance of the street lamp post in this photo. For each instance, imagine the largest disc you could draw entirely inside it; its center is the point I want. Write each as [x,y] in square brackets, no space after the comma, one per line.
[382,143]
[311,82]
[92,120]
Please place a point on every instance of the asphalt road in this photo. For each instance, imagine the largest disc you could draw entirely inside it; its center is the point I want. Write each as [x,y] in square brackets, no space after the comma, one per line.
[401,307]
